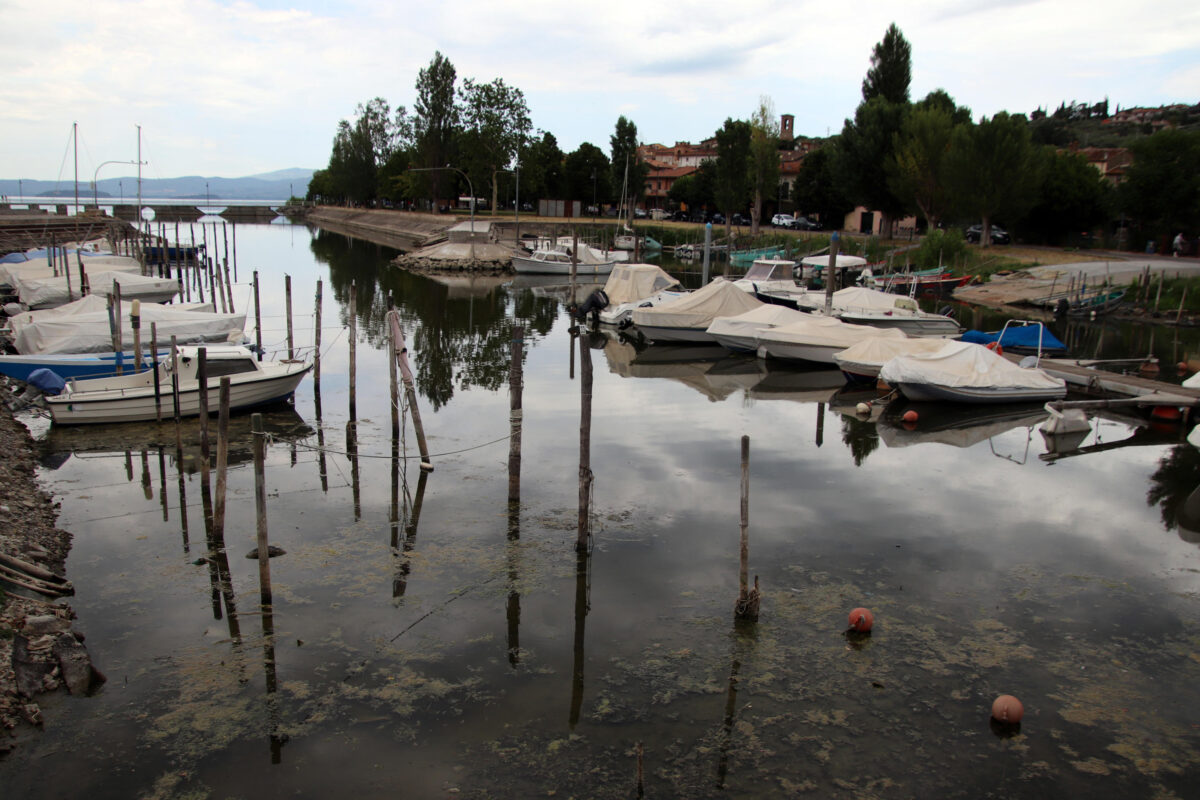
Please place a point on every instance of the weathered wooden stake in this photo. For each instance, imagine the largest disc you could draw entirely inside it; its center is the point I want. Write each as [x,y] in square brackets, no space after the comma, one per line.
[831,271]
[260,510]
[515,415]
[410,388]
[316,337]
[353,314]
[257,318]
[287,295]
[222,462]
[135,322]
[157,377]
[585,444]
[747,603]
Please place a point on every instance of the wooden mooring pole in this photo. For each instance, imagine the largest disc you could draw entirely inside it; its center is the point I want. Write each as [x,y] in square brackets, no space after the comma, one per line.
[287,296]
[746,607]
[259,436]
[316,336]
[353,315]
[515,415]
[257,318]
[410,389]
[583,533]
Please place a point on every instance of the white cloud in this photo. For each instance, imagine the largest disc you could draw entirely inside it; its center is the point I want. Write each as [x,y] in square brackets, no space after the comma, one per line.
[234,88]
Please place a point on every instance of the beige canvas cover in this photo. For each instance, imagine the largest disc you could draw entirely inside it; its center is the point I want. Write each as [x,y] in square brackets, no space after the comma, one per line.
[698,309]
[857,298]
[870,354]
[967,365]
[46,292]
[768,315]
[82,327]
[628,283]
[825,331]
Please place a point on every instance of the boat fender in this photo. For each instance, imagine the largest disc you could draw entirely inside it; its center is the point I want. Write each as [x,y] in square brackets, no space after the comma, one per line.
[46,381]
[996,346]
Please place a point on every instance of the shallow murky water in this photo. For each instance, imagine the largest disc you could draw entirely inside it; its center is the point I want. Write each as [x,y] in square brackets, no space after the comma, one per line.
[429,640]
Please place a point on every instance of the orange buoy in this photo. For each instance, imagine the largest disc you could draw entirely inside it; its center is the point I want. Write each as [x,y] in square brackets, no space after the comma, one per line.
[996,346]
[1165,412]
[861,620]
[909,416]
[1182,367]
[1007,709]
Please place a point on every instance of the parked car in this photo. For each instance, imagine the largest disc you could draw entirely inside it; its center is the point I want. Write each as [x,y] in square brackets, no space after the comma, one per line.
[681,216]
[718,218]
[805,224]
[740,219]
[782,221]
[999,235]
[639,213]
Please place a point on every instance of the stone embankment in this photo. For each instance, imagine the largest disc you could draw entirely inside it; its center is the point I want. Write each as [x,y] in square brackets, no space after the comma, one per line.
[39,650]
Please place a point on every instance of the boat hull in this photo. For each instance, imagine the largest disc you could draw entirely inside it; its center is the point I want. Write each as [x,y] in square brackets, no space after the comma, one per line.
[930,326]
[139,405]
[969,394]
[533,266]
[71,365]
[796,351]
[661,333]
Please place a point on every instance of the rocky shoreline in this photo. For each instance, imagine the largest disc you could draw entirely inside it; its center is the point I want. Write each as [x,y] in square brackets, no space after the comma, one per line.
[39,649]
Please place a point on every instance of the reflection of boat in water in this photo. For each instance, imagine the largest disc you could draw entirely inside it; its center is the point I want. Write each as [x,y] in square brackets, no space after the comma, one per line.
[461,285]
[709,369]
[799,385]
[281,425]
[554,286]
[955,425]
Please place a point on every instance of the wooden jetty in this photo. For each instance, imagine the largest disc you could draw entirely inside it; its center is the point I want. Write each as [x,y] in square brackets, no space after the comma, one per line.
[1119,389]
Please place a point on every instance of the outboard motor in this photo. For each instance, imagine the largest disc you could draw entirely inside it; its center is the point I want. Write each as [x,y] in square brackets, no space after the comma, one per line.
[1062,307]
[597,301]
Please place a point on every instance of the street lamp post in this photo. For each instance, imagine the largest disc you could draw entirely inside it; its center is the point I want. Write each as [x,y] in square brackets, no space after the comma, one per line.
[96,174]
[470,188]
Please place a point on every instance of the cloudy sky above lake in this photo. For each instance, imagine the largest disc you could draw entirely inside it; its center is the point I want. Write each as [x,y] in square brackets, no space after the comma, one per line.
[229,89]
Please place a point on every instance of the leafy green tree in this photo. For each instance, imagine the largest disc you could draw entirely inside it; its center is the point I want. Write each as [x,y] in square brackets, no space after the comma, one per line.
[1073,197]
[914,172]
[542,169]
[623,146]
[732,188]
[1161,190]
[864,150]
[580,167]
[816,190]
[764,158]
[940,99]
[993,170]
[497,119]
[891,68]
[435,126]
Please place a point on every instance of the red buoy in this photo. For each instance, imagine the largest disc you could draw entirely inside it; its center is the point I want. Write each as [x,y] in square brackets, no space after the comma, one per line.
[1007,709]
[1165,412]
[995,346]
[861,620]
[909,416]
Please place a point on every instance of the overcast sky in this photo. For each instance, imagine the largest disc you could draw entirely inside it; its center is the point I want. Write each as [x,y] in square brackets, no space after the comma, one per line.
[229,89]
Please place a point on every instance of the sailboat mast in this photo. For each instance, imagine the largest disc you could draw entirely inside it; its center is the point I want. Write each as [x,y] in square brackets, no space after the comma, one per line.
[139,204]
[75,142]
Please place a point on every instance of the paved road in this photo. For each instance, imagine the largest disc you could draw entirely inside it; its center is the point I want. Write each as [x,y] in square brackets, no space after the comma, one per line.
[1121,268]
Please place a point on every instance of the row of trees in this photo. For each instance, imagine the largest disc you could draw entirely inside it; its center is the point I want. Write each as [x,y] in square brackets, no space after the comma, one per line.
[896,157]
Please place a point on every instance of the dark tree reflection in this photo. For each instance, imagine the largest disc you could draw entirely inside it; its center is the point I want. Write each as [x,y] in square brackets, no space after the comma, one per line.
[457,341]
[1172,487]
[860,436]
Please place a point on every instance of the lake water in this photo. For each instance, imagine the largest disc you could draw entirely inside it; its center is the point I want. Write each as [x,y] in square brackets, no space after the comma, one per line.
[427,639]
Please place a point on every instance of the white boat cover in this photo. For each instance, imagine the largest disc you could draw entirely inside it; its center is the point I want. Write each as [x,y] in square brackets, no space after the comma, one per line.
[857,298]
[628,283]
[82,326]
[698,309]
[871,354]
[46,292]
[967,365]
[842,261]
[10,274]
[825,331]
[765,316]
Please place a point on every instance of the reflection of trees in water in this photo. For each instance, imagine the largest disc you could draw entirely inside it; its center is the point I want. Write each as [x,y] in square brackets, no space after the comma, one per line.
[1176,478]
[860,436]
[455,342]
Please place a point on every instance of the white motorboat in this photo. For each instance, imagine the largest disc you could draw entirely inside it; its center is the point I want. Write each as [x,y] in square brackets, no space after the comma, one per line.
[631,286]
[970,373]
[37,293]
[862,361]
[559,262]
[132,398]
[687,318]
[862,306]
[771,280]
[816,338]
[83,326]
[740,333]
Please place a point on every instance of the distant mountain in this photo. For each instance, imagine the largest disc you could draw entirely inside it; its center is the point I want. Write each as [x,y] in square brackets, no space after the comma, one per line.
[271,186]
